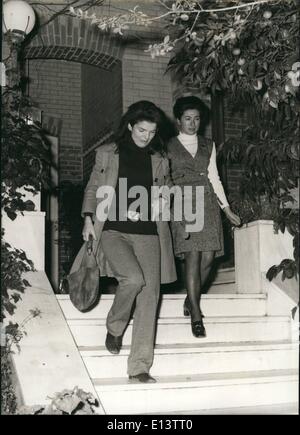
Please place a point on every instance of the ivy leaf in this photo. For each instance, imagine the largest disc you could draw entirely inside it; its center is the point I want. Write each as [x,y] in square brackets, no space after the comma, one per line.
[294,310]
[11,214]
[23,255]
[12,328]
[10,308]
[29,205]
[282,226]
[67,404]
[272,272]
[16,297]
[283,275]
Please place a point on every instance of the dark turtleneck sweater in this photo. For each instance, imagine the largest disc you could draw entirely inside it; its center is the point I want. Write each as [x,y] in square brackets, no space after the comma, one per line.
[135,165]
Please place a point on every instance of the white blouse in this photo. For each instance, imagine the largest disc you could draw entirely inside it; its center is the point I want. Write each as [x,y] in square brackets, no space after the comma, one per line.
[190,143]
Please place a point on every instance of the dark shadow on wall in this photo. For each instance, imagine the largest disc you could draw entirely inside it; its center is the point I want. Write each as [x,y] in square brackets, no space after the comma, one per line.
[167,129]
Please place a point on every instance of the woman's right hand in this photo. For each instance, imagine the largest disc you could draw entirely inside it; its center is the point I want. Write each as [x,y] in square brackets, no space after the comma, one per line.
[88,229]
[234,218]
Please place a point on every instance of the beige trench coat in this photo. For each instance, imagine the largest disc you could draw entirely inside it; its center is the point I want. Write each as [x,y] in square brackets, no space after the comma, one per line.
[105,173]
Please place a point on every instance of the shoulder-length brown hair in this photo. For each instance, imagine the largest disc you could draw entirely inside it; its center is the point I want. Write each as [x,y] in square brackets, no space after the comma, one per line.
[141,111]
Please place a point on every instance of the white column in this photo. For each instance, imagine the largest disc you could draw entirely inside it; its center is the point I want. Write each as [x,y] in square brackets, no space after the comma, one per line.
[53,215]
[27,232]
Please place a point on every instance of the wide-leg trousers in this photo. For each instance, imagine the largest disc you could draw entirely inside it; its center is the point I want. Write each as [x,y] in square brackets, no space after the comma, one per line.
[135,262]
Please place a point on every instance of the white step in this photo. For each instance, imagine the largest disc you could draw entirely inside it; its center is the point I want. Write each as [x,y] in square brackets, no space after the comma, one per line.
[90,332]
[280,409]
[225,275]
[172,306]
[196,359]
[210,391]
[222,287]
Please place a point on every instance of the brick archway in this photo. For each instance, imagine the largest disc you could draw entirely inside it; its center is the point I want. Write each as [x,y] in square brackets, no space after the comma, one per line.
[68,38]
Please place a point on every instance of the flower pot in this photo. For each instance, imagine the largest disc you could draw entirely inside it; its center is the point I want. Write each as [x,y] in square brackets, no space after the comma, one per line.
[257,248]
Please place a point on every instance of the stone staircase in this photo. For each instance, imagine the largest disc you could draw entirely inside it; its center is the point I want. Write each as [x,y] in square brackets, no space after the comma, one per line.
[247,359]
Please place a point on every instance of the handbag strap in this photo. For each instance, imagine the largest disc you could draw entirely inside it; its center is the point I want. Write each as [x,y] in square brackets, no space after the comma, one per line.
[89,248]
[89,244]
[106,160]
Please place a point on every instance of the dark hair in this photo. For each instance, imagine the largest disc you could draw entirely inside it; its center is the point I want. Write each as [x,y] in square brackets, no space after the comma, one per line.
[141,111]
[192,103]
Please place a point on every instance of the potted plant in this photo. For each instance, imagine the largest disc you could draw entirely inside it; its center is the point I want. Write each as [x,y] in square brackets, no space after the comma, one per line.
[268,157]
[24,162]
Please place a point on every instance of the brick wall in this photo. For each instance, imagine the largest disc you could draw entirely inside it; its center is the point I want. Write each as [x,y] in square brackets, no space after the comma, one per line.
[73,39]
[99,101]
[105,136]
[152,8]
[144,79]
[234,122]
[85,99]
[56,86]
[101,108]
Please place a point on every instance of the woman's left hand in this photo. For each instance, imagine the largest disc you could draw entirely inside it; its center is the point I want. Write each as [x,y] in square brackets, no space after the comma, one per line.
[234,219]
[158,207]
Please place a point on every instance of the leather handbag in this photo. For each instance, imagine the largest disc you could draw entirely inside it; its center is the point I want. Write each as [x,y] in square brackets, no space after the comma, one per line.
[83,284]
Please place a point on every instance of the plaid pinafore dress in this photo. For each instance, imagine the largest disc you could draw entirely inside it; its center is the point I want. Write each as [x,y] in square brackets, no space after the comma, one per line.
[193,171]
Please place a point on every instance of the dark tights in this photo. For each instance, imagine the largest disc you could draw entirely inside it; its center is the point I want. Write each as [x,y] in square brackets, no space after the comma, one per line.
[196,270]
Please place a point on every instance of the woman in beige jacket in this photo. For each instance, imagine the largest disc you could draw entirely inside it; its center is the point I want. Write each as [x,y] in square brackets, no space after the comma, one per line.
[134,246]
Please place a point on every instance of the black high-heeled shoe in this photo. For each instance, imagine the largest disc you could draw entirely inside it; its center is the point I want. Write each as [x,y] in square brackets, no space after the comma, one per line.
[187,309]
[198,329]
